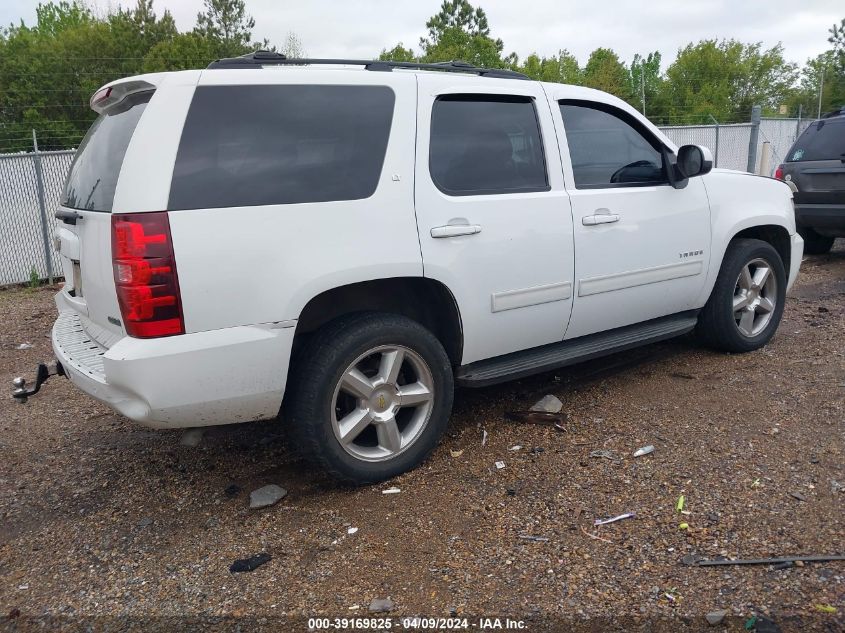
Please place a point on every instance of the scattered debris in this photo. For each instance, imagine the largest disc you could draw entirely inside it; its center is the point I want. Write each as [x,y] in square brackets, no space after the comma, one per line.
[825,608]
[683,526]
[456,453]
[26,345]
[250,564]
[756,483]
[539,417]
[835,486]
[232,490]
[605,454]
[351,530]
[750,622]
[266,496]
[381,605]
[672,595]
[536,539]
[391,491]
[680,504]
[515,447]
[500,465]
[483,437]
[798,495]
[678,374]
[645,450]
[627,515]
[191,437]
[770,561]
[784,565]
[144,522]
[692,559]
[595,536]
[14,613]
[548,404]
[354,607]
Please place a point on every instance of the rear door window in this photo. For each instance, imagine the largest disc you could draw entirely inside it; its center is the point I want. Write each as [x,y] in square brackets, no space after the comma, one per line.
[92,177]
[281,144]
[485,144]
[823,140]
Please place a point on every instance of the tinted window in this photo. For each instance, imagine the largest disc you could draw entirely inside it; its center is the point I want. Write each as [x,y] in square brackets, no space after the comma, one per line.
[92,177]
[823,140]
[254,145]
[485,144]
[608,151]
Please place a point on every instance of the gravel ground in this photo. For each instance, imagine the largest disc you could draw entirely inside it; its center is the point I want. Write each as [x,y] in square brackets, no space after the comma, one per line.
[102,519]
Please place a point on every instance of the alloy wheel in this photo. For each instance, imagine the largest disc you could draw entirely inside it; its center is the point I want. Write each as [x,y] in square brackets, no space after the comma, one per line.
[755,297]
[382,403]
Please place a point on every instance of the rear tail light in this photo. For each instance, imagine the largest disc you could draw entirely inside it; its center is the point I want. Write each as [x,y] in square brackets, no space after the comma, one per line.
[779,172]
[145,275]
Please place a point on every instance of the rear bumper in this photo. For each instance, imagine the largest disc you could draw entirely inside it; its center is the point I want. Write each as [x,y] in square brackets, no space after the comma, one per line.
[207,378]
[824,218]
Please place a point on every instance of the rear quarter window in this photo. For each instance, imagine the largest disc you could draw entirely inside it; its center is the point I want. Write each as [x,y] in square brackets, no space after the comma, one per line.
[823,140]
[92,177]
[281,144]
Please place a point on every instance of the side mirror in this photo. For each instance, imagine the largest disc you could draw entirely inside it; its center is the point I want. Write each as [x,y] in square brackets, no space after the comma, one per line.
[693,160]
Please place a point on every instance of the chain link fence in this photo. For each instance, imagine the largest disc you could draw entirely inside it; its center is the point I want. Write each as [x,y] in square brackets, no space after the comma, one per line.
[31,185]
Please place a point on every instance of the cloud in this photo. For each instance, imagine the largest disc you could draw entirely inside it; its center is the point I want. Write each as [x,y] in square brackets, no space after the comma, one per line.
[362,28]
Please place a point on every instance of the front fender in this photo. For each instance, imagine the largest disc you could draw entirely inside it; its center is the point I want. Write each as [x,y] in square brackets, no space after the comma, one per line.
[740,201]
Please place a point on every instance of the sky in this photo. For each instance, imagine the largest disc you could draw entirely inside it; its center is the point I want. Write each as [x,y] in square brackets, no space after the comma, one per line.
[362,28]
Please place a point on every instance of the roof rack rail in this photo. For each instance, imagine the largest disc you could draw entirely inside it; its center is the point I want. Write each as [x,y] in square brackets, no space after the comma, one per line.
[270,58]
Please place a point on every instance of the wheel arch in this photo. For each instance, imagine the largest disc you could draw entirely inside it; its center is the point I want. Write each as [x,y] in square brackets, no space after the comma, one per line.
[768,229]
[774,234]
[426,301]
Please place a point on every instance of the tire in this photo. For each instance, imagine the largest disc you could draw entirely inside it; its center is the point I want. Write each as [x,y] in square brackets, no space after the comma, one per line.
[719,326]
[325,389]
[814,243]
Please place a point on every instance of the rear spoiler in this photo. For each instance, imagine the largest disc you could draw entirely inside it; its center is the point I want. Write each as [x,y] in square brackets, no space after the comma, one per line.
[117,91]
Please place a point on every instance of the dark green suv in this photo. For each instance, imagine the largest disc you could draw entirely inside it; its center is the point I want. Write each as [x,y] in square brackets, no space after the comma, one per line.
[815,170]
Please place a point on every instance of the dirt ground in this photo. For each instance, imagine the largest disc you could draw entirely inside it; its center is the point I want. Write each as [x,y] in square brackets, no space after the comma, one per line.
[108,524]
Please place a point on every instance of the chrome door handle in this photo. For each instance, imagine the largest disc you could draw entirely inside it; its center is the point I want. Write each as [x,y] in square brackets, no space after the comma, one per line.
[601,216]
[453,230]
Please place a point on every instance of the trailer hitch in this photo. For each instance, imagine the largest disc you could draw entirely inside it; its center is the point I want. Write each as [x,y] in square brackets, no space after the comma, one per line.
[44,371]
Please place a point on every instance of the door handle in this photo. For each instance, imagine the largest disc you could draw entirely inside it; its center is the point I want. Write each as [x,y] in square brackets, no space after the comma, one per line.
[453,230]
[601,216]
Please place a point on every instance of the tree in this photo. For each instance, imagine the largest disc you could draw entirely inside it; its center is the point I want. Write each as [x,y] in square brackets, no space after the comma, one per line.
[226,23]
[456,14]
[646,82]
[724,79]
[604,71]
[398,54]
[457,31]
[821,74]
[293,48]
[182,52]
[563,68]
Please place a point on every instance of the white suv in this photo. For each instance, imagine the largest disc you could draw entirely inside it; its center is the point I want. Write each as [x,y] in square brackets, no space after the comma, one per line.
[342,242]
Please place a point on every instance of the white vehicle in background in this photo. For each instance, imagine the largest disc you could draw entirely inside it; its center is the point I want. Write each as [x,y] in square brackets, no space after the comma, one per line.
[344,242]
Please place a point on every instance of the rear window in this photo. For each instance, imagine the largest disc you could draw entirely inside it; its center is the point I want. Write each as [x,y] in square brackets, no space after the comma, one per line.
[258,145]
[93,174]
[823,140]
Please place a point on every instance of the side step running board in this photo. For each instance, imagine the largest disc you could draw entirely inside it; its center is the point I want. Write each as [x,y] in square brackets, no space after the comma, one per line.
[548,357]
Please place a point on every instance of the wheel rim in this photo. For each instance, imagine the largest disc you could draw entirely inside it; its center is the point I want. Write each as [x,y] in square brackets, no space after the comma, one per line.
[382,403]
[755,297]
